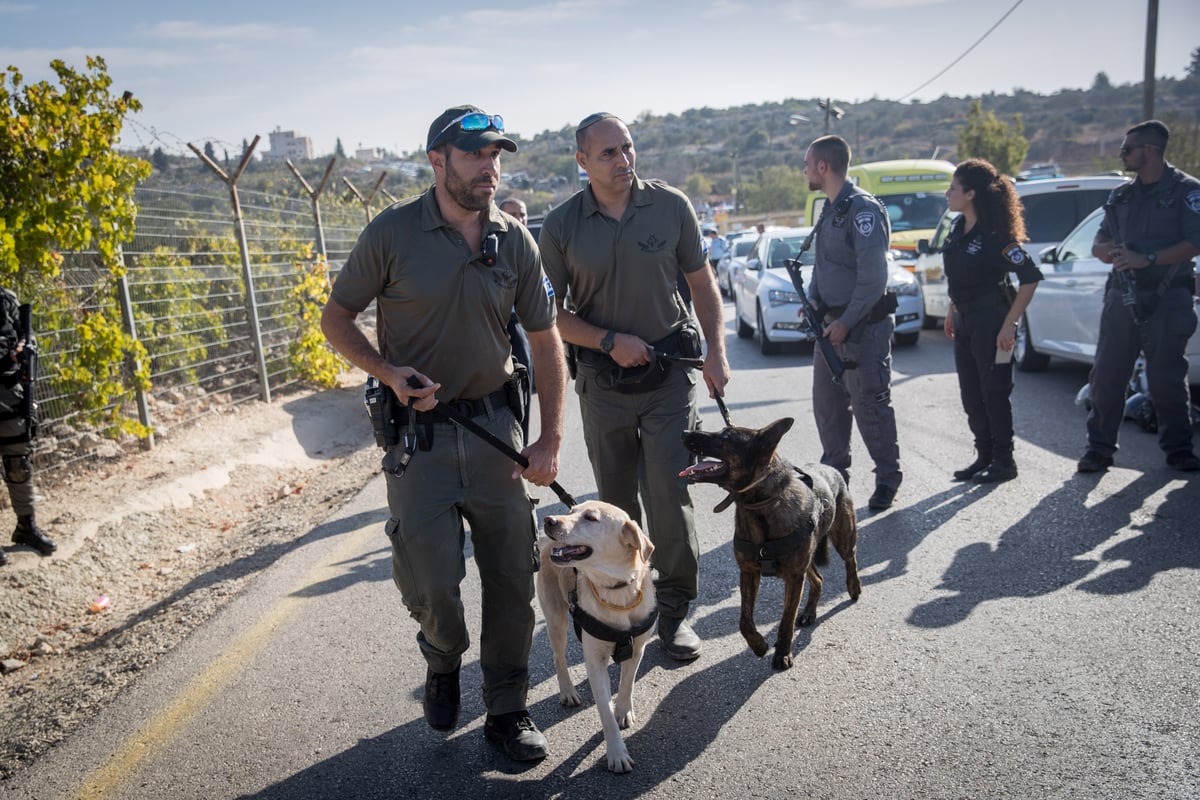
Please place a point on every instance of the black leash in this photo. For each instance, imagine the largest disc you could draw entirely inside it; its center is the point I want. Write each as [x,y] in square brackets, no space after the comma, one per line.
[483,433]
[695,363]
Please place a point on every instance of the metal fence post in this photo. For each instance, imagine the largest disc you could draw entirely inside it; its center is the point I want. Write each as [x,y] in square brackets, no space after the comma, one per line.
[131,328]
[366,201]
[315,196]
[247,273]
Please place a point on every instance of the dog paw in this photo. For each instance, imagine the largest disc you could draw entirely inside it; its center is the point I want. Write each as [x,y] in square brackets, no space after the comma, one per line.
[570,699]
[781,661]
[806,619]
[757,644]
[619,761]
[625,719]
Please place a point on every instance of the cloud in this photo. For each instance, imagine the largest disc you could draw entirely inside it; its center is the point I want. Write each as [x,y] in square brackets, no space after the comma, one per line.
[202,31]
[15,8]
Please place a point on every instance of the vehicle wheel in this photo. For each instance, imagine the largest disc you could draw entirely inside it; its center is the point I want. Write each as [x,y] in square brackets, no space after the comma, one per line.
[744,331]
[1025,357]
[908,339]
[765,345]
[931,323]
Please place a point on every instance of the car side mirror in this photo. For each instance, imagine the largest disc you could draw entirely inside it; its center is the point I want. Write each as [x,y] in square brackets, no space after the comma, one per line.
[923,247]
[1048,255]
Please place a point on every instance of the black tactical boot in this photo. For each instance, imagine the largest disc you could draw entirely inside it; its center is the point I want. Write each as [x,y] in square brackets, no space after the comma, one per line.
[978,465]
[999,471]
[28,533]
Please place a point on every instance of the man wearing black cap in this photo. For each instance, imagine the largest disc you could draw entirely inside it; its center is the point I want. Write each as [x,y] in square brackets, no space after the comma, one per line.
[619,245]
[446,268]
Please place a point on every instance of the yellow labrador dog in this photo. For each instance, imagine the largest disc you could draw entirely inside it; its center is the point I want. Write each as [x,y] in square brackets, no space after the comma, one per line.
[596,566]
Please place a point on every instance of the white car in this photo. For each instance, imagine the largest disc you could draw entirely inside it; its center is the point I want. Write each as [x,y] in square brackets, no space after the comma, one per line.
[767,306]
[1063,319]
[1052,207]
[740,243]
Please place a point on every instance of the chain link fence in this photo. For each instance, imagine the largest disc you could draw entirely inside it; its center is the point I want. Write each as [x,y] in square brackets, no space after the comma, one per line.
[184,297]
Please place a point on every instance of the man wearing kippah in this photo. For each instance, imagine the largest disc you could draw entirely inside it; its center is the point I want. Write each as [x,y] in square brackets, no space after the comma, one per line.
[446,269]
[619,246]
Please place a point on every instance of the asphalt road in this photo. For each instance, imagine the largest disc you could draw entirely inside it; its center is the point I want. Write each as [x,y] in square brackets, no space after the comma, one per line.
[1036,639]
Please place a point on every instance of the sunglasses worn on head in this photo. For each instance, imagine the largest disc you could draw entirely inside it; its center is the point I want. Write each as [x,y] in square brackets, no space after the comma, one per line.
[471,121]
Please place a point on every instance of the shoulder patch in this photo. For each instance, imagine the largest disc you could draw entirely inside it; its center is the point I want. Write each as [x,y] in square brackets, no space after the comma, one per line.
[549,288]
[864,221]
[1013,253]
[1193,201]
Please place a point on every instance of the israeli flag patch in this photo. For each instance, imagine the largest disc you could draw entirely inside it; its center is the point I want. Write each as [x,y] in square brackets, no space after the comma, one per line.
[1014,254]
[1193,201]
[549,288]
[864,221]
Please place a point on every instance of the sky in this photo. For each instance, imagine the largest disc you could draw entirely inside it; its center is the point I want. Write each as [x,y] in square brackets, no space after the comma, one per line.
[376,74]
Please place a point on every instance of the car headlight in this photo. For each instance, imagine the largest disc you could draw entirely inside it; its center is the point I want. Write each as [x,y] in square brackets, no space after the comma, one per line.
[781,297]
[905,285]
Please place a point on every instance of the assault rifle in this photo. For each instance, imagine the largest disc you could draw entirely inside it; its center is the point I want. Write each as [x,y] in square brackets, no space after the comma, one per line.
[815,326]
[29,364]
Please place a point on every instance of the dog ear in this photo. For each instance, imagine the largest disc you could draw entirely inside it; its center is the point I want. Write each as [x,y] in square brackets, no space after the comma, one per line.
[633,538]
[770,435]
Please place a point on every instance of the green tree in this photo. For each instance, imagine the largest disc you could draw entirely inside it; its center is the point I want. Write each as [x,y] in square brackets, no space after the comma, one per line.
[340,151]
[984,136]
[159,160]
[65,188]
[778,188]
[698,185]
[1193,70]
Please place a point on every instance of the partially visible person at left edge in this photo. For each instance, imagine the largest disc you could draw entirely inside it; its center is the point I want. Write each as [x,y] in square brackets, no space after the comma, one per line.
[17,424]
[1150,234]
[446,269]
[984,245]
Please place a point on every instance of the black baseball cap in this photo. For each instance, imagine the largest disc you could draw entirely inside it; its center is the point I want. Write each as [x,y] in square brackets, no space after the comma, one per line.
[468,128]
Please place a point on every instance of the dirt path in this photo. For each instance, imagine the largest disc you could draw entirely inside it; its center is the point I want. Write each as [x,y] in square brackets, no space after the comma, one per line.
[167,536]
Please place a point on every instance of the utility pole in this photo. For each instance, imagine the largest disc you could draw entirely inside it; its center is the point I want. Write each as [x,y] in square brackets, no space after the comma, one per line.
[1151,46]
[830,110]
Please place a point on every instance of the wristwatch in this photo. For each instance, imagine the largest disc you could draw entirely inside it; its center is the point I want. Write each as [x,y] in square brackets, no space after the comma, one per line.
[1151,258]
[606,344]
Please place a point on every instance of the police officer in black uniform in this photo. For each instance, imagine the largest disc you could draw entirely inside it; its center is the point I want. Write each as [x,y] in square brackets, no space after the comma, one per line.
[17,427]
[1150,234]
[982,249]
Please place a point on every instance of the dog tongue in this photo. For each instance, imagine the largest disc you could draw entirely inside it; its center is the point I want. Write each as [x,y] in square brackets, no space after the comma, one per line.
[702,467]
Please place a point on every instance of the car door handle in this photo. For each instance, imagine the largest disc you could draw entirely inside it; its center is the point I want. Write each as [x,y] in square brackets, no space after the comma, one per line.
[1070,282]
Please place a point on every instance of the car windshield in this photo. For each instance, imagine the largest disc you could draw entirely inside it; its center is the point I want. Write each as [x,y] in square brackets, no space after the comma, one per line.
[916,211]
[787,247]
[742,247]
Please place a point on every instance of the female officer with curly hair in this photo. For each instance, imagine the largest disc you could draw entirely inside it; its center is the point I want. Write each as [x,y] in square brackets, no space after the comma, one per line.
[984,246]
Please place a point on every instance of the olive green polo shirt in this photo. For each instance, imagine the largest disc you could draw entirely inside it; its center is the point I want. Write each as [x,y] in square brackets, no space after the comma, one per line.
[623,273]
[441,309]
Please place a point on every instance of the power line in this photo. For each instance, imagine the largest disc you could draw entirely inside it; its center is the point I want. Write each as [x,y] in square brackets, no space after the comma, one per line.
[965,53]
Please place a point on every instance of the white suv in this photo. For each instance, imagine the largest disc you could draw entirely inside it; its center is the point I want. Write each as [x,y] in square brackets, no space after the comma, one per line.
[1053,207]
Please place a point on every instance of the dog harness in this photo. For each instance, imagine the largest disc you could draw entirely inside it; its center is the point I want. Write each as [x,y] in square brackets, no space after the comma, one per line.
[621,639]
[769,552]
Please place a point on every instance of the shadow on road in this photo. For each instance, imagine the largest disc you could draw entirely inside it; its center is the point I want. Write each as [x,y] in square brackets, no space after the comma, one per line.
[1051,547]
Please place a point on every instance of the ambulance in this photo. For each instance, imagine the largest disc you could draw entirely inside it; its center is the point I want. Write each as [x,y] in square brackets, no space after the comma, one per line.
[912,190]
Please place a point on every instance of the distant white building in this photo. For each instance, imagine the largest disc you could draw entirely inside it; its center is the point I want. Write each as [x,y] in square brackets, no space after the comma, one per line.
[286,144]
[368,153]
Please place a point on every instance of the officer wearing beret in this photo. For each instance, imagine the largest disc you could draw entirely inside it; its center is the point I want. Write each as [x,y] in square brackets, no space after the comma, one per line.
[1150,234]
[849,281]
[16,432]
[446,269]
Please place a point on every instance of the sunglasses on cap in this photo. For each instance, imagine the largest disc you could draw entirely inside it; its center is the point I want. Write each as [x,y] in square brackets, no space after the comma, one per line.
[471,121]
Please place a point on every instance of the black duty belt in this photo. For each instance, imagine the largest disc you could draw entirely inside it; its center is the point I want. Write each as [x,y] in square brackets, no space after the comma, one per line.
[978,303]
[464,408]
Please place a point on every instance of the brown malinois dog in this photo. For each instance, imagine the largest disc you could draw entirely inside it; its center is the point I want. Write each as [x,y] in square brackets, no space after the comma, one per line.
[786,517]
